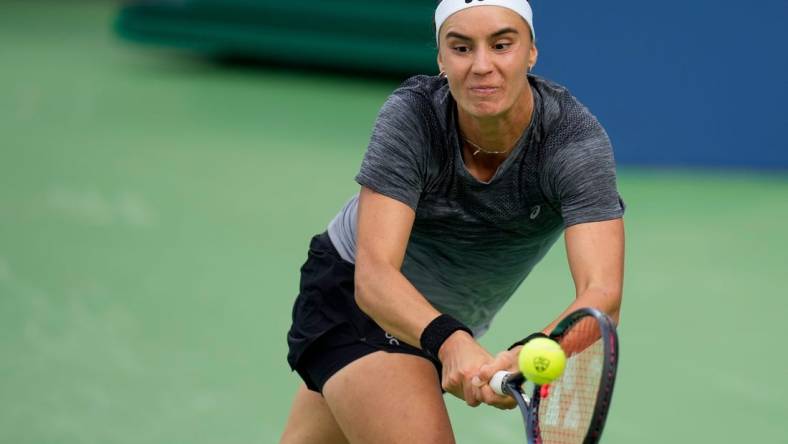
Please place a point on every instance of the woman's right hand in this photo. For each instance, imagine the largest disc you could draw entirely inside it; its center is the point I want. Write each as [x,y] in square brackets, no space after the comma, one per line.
[467,368]
[462,357]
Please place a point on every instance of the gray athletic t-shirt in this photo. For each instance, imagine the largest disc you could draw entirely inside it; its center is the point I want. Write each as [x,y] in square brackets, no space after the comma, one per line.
[472,242]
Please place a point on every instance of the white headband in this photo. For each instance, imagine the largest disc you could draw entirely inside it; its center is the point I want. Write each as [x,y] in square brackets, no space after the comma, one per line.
[447,8]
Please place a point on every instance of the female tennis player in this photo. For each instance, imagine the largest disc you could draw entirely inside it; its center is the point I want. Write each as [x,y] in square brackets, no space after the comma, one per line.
[468,180]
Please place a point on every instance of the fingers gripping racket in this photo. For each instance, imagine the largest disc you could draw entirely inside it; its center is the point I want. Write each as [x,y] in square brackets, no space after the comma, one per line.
[573,408]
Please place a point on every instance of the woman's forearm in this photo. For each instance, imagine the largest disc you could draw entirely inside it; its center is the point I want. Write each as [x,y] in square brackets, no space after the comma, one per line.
[387,296]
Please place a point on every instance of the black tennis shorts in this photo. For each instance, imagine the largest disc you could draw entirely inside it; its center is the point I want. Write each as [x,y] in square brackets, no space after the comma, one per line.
[329,330]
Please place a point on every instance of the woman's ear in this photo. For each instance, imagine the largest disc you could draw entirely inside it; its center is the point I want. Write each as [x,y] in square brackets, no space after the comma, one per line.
[533,55]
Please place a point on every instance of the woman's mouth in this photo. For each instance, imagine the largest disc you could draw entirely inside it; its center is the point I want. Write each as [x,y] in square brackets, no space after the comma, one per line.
[484,90]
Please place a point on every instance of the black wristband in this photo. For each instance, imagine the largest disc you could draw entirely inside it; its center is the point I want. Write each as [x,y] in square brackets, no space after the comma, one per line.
[437,331]
[538,334]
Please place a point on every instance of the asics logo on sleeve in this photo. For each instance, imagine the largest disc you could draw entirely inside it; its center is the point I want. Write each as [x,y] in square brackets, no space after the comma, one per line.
[535,210]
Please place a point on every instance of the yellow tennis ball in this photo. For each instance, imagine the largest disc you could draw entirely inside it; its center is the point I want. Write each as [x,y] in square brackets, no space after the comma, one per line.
[541,360]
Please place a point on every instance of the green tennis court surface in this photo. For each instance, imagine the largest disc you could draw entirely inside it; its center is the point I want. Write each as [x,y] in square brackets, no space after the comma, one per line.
[154,212]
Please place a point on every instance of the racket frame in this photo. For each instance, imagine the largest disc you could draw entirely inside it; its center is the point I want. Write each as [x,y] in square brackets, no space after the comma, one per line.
[512,383]
[607,330]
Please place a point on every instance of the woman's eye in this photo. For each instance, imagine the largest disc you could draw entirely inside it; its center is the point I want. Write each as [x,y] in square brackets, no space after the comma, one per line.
[502,46]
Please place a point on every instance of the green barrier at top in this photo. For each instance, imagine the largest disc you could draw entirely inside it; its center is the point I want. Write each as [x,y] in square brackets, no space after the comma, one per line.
[392,36]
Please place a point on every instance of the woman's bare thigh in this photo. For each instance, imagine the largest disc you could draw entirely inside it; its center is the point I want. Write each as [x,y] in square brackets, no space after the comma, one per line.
[311,421]
[389,398]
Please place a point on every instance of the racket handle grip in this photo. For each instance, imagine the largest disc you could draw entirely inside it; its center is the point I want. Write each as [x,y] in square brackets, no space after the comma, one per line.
[498,382]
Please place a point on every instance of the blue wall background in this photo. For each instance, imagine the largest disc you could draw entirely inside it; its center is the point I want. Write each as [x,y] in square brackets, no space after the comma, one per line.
[678,83]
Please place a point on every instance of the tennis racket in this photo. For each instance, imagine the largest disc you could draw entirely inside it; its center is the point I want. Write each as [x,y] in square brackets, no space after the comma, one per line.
[573,408]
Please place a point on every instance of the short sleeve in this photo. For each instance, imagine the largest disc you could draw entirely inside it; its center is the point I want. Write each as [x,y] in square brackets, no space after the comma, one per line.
[585,180]
[395,161]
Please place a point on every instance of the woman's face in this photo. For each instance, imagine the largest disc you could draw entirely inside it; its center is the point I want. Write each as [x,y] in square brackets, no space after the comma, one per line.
[485,52]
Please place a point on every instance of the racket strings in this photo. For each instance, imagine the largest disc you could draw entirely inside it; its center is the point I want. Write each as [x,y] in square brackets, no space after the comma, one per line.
[566,414]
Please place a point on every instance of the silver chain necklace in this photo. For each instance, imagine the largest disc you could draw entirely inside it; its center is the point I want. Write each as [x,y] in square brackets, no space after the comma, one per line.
[482,150]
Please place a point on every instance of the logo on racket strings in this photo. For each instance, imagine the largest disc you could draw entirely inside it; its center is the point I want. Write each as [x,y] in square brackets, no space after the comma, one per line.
[541,364]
